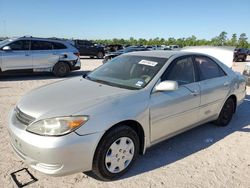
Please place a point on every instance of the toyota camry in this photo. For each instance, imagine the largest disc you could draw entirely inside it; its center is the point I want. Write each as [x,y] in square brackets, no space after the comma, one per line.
[104,120]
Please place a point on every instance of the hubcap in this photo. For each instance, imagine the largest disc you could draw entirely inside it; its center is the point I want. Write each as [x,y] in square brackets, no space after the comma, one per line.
[62,69]
[99,55]
[119,155]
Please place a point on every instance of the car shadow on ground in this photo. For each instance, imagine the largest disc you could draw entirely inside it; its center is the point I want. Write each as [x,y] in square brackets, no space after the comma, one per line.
[38,76]
[190,142]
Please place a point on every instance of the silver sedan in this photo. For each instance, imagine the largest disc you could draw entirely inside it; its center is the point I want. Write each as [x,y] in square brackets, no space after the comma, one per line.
[103,121]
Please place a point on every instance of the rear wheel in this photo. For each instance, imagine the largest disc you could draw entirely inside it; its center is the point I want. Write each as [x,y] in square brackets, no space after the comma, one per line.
[244,58]
[226,113]
[61,69]
[115,153]
[100,55]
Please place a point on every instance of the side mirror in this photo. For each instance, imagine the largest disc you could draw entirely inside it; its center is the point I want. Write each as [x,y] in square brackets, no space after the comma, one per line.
[6,48]
[167,86]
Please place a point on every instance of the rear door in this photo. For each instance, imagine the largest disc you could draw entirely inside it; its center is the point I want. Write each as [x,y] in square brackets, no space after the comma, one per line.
[214,84]
[43,55]
[19,57]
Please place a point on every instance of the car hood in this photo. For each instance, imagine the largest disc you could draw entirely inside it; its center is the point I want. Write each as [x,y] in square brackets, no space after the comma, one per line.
[67,97]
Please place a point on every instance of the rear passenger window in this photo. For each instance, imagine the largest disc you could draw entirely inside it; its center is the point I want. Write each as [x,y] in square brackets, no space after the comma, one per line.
[41,45]
[58,46]
[20,45]
[182,71]
[208,69]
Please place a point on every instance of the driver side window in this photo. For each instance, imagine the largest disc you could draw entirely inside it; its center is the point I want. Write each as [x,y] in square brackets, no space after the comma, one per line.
[181,70]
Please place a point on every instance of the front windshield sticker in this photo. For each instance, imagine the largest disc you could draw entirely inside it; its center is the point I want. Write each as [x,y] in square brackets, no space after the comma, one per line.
[139,83]
[149,63]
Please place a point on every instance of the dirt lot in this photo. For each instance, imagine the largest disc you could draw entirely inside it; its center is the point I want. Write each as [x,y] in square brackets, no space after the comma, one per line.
[207,156]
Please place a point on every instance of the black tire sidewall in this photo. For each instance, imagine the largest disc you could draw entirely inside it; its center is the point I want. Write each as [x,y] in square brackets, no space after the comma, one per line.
[56,69]
[99,167]
[98,55]
[220,121]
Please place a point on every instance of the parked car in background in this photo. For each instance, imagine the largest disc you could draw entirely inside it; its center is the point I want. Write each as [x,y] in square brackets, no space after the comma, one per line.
[87,48]
[240,54]
[111,55]
[154,47]
[173,47]
[30,54]
[103,122]
[246,73]
[112,48]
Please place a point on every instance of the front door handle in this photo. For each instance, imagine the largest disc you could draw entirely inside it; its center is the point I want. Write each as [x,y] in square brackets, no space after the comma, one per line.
[195,92]
[226,84]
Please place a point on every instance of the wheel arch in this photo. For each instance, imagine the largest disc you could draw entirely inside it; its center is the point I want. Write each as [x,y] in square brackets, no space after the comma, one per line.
[60,61]
[136,126]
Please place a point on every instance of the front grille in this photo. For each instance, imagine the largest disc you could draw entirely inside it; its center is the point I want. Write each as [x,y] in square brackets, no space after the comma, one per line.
[22,117]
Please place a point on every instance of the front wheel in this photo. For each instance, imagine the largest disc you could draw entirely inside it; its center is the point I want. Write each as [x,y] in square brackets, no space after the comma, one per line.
[226,113]
[115,153]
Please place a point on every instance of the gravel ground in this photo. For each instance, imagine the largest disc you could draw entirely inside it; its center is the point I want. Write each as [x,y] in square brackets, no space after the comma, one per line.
[207,156]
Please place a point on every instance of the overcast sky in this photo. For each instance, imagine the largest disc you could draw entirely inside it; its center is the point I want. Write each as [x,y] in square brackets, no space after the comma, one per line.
[99,19]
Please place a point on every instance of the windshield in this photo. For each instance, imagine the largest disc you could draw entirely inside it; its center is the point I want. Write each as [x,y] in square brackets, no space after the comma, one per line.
[128,71]
[4,42]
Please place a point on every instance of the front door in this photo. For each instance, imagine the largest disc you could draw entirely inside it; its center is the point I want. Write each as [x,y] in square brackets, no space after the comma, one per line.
[18,57]
[173,111]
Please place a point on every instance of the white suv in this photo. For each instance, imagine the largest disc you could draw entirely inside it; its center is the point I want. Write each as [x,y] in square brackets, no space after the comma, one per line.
[38,55]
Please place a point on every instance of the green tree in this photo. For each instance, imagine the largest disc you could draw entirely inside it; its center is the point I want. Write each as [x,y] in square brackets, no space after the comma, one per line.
[242,42]
[233,41]
[222,38]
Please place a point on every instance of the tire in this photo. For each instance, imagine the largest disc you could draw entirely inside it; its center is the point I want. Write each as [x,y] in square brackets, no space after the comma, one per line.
[244,58]
[226,113]
[100,55]
[61,69]
[115,153]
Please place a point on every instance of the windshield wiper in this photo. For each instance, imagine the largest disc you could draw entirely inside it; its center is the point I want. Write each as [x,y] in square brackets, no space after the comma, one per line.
[110,83]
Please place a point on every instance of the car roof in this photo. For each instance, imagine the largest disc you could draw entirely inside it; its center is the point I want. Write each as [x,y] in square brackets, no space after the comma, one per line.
[41,39]
[160,53]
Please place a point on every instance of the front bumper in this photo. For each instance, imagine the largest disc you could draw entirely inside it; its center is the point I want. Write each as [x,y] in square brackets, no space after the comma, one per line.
[54,156]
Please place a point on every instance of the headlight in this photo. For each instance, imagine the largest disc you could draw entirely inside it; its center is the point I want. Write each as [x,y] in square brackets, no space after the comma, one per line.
[57,126]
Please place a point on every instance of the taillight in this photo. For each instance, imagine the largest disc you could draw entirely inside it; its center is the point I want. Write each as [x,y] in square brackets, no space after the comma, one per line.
[77,54]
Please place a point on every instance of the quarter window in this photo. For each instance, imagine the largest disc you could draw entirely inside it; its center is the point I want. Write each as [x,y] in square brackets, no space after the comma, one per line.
[58,46]
[41,45]
[182,71]
[208,69]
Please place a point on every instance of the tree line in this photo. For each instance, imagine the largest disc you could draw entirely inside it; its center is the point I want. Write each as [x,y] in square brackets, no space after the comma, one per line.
[222,39]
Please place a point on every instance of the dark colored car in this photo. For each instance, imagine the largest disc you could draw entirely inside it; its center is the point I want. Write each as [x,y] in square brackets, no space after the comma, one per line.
[111,55]
[87,48]
[240,54]
[113,48]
